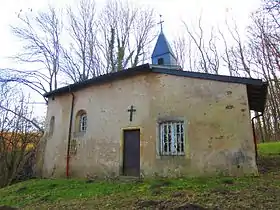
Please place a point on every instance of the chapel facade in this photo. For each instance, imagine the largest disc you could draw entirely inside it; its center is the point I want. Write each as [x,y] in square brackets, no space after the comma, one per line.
[153,119]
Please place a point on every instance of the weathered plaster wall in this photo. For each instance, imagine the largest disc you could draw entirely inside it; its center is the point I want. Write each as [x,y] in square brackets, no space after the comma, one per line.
[219,136]
[56,143]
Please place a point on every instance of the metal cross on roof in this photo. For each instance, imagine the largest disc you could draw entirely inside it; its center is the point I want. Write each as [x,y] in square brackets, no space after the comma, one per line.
[160,22]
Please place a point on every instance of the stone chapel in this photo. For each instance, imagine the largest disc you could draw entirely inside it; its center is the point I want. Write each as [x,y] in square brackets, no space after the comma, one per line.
[153,119]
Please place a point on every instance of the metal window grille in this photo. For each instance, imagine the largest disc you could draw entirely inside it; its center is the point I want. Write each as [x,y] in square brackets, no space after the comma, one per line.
[172,138]
[83,122]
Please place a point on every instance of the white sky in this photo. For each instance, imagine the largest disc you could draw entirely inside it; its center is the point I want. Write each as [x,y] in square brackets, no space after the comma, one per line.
[173,11]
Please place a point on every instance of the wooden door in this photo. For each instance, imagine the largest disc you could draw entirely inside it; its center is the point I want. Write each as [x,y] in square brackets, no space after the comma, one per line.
[131,153]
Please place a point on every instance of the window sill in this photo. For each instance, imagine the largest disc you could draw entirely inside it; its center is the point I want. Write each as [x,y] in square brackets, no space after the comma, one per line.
[171,157]
[166,157]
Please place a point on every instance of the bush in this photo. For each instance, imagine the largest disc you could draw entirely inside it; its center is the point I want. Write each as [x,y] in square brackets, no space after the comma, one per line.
[27,170]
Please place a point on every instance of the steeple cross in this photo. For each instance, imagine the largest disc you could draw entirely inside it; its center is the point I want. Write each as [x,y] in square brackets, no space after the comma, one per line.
[160,22]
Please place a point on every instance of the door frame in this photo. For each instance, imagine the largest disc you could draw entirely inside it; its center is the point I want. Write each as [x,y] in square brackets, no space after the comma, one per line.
[122,146]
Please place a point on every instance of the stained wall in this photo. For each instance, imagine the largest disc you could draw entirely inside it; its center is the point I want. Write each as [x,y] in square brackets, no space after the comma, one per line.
[217,124]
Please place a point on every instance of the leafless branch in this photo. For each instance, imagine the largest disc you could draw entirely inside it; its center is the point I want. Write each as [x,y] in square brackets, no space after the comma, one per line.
[128,31]
[40,37]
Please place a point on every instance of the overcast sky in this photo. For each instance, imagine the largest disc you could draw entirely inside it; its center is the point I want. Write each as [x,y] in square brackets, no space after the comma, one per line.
[173,12]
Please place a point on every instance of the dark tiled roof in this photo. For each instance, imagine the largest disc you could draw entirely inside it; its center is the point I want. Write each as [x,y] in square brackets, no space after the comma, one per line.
[256,88]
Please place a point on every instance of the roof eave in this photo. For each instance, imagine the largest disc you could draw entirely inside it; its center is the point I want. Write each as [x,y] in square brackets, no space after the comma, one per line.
[214,77]
[256,88]
[257,96]
[100,79]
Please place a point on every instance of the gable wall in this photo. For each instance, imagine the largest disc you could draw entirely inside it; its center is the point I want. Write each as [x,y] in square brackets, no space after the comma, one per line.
[218,138]
[219,133]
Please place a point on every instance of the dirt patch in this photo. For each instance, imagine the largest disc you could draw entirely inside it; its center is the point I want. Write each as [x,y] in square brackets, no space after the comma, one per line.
[7,208]
[268,164]
[178,194]
[147,203]
[221,190]
[190,206]
[167,204]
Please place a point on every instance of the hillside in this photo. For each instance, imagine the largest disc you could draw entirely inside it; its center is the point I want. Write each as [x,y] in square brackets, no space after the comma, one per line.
[211,193]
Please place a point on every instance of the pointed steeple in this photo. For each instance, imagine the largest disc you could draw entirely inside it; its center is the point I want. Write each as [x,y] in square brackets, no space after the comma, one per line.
[162,54]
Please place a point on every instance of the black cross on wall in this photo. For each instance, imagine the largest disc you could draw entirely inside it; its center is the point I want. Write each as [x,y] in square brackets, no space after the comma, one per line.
[131,110]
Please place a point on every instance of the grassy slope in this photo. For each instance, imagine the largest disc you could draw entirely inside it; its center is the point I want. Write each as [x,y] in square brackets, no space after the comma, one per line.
[239,193]
[271,148]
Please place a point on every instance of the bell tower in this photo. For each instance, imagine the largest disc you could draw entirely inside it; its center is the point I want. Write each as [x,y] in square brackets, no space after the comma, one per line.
[162,54]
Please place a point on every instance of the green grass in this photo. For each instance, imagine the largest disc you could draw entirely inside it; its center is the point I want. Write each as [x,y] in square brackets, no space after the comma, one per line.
[36,190]
[56,194]
[261,192]
[78,194]
[271,148]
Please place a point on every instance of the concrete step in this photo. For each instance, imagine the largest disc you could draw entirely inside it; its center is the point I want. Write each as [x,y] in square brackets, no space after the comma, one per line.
[129,178]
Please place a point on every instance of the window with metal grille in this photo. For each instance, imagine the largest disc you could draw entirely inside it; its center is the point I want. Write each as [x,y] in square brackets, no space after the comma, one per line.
[172,138]
[83,122]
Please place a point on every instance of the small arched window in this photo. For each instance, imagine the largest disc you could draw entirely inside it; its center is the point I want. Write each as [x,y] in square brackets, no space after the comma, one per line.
[52,121]
[81,121]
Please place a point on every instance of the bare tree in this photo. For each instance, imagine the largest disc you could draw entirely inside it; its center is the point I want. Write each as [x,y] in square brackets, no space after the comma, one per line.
[126,33]
[256,55]
[180,46]
[272,7]
[226,56]
[40,38]
[81,60]
[209,61]
[18,136]
[241,59]
[264,44]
